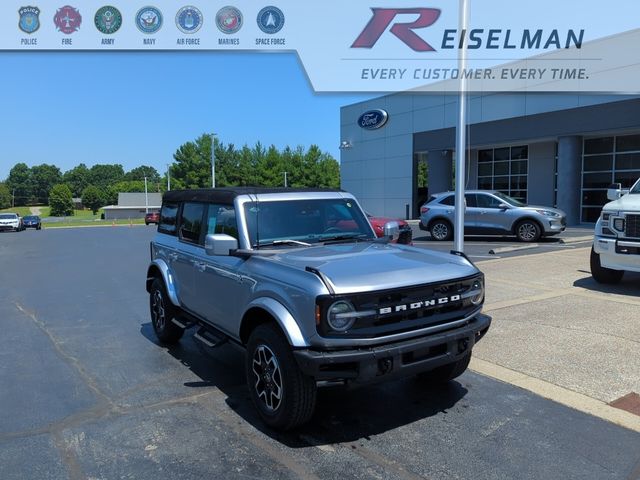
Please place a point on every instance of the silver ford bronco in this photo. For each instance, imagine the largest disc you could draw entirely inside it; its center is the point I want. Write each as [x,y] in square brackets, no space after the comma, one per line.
[299,280]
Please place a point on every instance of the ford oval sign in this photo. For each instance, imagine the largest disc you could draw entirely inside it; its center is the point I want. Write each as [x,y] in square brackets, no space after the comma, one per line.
[373,119]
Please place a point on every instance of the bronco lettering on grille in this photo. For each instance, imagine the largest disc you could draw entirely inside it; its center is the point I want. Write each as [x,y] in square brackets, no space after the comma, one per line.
[418,305]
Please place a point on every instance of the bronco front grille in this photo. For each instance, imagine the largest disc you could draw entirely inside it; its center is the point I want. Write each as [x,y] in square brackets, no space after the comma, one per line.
[632,228]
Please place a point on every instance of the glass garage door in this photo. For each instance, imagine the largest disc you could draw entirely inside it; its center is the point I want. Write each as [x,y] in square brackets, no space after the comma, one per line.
[607,160]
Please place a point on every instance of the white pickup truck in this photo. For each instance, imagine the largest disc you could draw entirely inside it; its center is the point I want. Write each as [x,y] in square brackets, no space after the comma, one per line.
[616,244]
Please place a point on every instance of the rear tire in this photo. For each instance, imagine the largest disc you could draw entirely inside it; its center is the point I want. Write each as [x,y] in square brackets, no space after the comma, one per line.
[284,397]
[441,230]
[448,372]
[602,274]
[162,311]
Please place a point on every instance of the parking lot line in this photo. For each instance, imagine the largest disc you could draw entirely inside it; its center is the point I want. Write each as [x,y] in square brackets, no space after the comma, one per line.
[561,395]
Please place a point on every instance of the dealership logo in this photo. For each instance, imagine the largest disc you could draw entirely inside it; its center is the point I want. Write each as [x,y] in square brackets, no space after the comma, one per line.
[229,20]
[29,19]
[383,17]
[270,20]
[67,19]
[108,20]
[149,19]
[373,119]
[189,19]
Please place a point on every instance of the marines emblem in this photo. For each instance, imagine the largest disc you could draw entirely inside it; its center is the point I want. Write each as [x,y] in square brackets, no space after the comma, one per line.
[229,20]
[67,19]
[149,19]
[29,19]
[189,19]
[108,20]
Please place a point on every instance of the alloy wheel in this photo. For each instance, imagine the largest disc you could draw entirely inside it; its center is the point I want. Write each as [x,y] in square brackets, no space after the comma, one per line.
[268,378]
[157,308]
[440,231]
[527,232]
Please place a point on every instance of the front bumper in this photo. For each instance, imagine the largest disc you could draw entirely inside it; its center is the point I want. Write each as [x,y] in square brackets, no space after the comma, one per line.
[396,360]
[5,227]
[618,254]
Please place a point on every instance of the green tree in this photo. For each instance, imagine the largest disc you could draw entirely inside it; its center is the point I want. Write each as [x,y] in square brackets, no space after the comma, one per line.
[19,183]
[78,178]
[193,164]
[5,196]
[138,174]
[43,178]
[60,201]
[103,176]
[93,198]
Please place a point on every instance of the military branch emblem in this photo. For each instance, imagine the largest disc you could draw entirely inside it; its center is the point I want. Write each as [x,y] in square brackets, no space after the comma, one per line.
[29,19]
[149,19]
[189,19]
[270,20]
[229,20]
[67,19]
[108,20]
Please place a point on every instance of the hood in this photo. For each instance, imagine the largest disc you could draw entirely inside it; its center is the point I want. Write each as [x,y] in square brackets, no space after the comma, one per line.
[363,267]
[550,209]
[628,203]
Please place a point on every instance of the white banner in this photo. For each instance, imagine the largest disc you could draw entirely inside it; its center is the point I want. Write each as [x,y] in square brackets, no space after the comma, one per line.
[365,46]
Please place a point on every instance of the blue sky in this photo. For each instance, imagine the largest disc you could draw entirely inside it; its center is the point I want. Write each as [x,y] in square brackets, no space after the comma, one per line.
[138,108]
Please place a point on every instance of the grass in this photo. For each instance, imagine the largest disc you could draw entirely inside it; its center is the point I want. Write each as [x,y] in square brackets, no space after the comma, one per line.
[74,222]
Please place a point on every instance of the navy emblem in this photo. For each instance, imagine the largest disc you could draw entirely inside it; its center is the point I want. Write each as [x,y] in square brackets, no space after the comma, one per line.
[229,20]
[270,20]
[148,19]
[373,119]
[67,19]
[189,19]
[108,20]
[29,19]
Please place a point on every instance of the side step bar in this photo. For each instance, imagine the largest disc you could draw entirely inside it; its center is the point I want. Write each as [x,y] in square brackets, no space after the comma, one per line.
[207,334]
[209,339]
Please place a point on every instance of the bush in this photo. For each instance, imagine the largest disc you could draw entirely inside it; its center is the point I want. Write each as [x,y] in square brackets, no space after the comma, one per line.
[61,201]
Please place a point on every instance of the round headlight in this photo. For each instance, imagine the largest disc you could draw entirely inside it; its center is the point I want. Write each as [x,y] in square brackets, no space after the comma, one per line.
[341,316]
[477,292]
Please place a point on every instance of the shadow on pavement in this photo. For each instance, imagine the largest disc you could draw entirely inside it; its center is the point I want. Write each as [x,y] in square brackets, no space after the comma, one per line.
[342,414]
[629,286]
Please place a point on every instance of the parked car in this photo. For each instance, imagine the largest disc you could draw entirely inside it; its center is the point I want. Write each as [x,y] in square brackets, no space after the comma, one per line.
[152,217]
[11,221]
[299,281]
[378,223]
[491,213]
[32,221]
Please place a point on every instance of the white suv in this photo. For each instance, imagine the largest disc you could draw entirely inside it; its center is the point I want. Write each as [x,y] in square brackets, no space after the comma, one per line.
[616,245]
[11,221]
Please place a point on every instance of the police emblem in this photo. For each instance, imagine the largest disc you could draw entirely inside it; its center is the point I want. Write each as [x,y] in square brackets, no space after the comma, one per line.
[67,19]
[29,19]
[108,20]
[229,20]
[270,20]
[149,19]
[189,19]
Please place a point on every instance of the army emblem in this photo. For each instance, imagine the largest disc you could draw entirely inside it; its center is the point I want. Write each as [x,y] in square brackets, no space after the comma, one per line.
[29,19]
[229,20]
[67,19]
[149,19]
[108,20]
[189,19]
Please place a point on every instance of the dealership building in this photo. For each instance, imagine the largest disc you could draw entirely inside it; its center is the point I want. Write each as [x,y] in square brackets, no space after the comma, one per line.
[552,149]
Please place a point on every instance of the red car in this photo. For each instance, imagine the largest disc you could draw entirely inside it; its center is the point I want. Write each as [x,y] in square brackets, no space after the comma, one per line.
[378,223]
[152,217]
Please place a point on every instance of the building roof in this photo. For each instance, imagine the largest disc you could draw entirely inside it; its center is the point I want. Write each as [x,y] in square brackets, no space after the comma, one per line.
[227,195]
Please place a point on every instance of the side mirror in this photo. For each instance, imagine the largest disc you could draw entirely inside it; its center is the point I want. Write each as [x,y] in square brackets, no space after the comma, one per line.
[615,191]
[503,206]
[392,230]
[219,244]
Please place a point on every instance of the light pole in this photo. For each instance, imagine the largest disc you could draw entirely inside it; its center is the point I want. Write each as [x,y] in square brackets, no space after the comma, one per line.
[168,177]
[213,160]
[146,196]
[285,179]
[13,198]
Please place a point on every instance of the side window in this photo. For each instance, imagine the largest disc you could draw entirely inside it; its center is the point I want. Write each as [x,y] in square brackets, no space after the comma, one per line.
[449,201]
[168,218]
[222,219]
[488,201]
[191,222]
[470,199]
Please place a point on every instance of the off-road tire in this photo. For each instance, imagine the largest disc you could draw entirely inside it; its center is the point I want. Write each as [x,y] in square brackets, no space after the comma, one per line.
[265,378]
[447,372]
[602,274]
[162,311]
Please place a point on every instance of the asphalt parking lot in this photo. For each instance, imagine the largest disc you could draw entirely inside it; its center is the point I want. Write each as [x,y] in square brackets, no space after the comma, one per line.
[87,393]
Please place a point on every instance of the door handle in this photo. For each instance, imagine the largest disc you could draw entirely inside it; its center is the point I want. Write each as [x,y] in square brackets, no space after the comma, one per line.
[173,257]
[200,266]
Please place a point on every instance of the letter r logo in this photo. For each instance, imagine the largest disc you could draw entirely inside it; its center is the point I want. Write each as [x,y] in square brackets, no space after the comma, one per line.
[382,18]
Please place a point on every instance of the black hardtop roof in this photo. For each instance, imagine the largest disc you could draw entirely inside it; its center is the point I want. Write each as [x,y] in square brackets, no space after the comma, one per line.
[226,195]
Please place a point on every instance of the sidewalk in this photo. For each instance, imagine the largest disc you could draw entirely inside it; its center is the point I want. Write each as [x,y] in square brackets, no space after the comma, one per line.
[560,334]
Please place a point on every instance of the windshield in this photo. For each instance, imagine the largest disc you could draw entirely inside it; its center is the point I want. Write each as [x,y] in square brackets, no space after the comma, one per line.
[29,218]
[511,201]
[8,216]
[308,221]
[635,188]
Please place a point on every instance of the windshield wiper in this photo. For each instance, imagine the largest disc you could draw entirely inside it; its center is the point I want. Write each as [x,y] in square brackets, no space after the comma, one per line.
[277,243]
[348,237]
